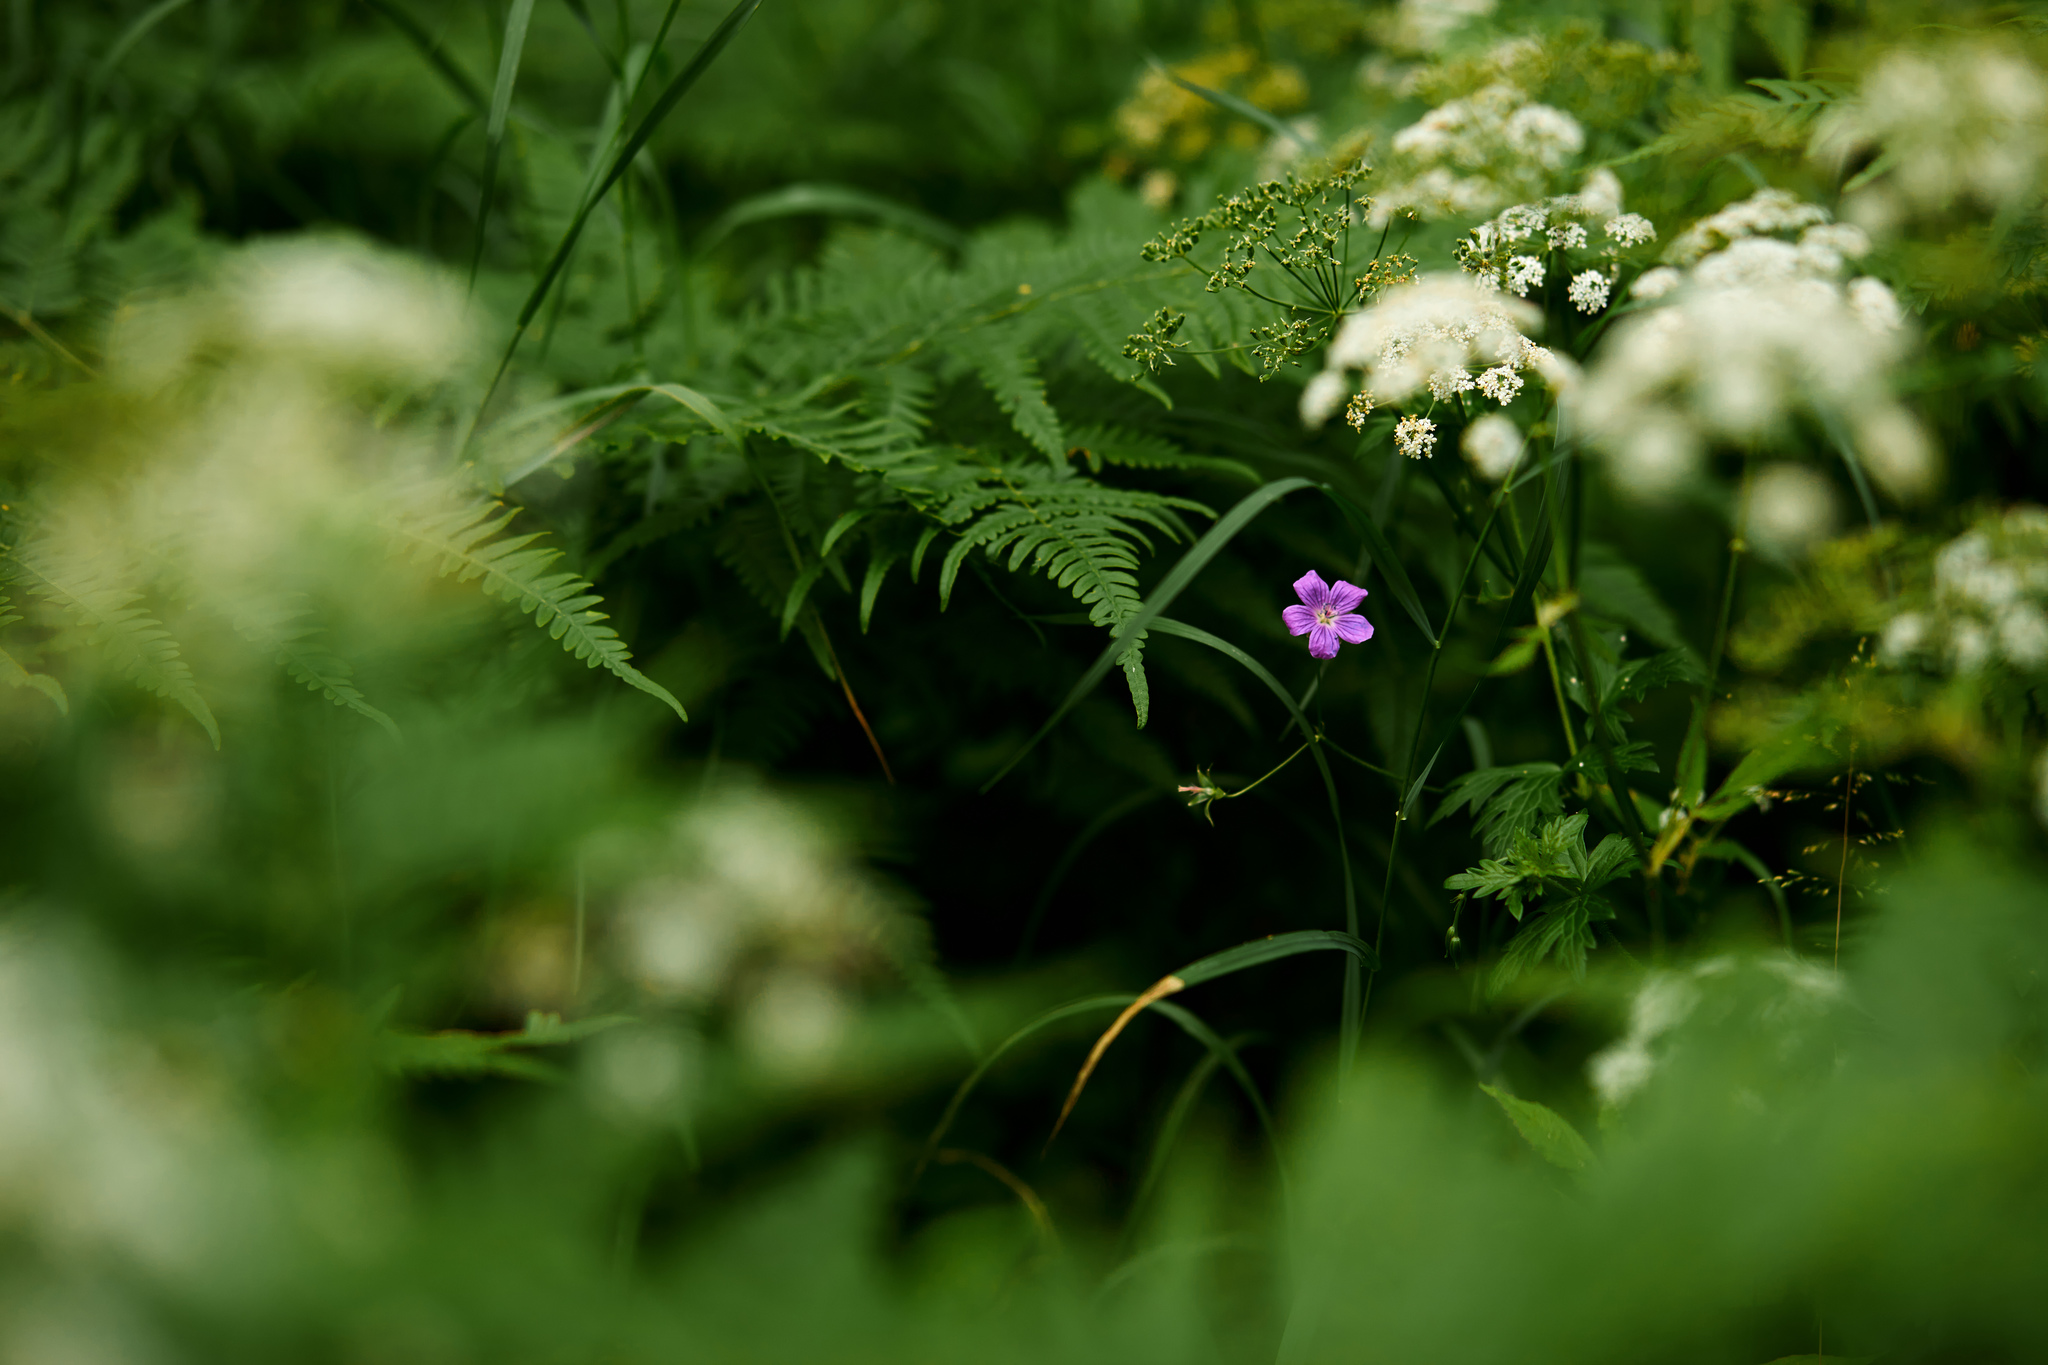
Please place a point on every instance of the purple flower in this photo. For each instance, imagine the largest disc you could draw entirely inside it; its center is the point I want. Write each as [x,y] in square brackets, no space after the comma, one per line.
[1326,615]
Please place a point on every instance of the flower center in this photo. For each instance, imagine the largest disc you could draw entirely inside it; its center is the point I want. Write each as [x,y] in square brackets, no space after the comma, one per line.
[1326,616]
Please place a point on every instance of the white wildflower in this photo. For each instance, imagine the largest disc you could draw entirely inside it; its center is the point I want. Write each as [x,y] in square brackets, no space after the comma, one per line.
[2023,637]
[1524,273]
[1600,196]
[1755,261]
[1757,329]
[1655,284]
[1501,384]
[1969,645]
[1631,229]
[1550,136]
[1903,637]
[1322,396]
[1790,506]
[1896,451]
[1447,384]
[1425,24]
[1874,304]
[1493,444]
[1656,457]
[1763,213]
[1589,291]
[1415,437]
[1469,156]
[1965,122]
[1430,334]
[1522,222]
[1567,236]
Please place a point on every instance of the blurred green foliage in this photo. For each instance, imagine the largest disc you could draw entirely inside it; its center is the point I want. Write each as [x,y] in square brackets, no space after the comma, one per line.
[853,389]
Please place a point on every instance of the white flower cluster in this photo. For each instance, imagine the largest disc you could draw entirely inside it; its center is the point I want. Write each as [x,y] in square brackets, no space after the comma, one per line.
[1785,994]
[1433,335]
[1472,155]
[1503,253]
[1763,214]
[1424,24]
[757,906]
[1963,123]
[1494,446]
[1990,603]
[1415,437]
[1753,329]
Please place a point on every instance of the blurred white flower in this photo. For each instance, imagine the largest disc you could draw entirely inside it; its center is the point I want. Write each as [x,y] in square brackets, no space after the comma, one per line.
[1989,604]
[1763,214]
[1424,24]
[644,1073]
[2041,787]
[348,305]
[1790,507]
[1470,156]
[1961,123]
[793,1023]
[1549,136]
[1753,330]
[1493,444]
[1896,451]
[1655,284]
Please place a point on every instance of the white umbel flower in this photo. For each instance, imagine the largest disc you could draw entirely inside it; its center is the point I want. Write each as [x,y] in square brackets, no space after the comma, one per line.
[1415,437]
[1589,291]
[1631,229]
[1524,273]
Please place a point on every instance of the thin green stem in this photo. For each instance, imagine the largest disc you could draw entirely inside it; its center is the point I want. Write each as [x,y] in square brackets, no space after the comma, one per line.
[1436,654]
[1225,796]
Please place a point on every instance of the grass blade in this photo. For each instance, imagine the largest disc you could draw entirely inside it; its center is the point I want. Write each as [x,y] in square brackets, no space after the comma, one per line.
[1389,563]
[795,200]
[430,48]
[132,35]
[514,47]
[987,1064]
[644,130]
[1254,954]
[582,13]
[1263,950]
[1243,108]
[1353,986]
[1183,573]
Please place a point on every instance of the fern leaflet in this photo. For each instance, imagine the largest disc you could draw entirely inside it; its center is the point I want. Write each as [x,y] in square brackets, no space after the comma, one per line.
[469,544]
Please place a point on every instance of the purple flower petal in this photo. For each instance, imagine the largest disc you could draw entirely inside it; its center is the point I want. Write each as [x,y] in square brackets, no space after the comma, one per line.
[1298,619]
[1355,629]
[1311,589]
[1344,597]
[1322,643]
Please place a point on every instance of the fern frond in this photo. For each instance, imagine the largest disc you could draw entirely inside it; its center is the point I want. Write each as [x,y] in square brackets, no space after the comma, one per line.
[469,543]
[1011,375]
[1137,450]
[90,592]
[281,629]
[1083,537]
[14,675]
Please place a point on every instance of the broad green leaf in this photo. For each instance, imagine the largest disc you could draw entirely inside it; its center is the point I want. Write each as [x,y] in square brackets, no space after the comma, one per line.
[1555,1140]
